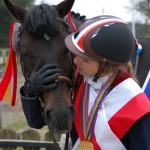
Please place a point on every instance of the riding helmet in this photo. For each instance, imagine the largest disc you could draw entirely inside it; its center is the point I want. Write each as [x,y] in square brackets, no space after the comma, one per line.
[104,38]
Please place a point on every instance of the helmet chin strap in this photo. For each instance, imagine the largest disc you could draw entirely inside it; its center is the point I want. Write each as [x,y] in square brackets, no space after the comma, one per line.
[100,71]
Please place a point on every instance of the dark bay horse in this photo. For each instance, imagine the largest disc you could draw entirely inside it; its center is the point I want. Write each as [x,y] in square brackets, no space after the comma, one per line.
[41,37]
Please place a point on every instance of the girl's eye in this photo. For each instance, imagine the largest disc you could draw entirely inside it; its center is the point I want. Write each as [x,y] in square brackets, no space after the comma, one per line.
[85,60]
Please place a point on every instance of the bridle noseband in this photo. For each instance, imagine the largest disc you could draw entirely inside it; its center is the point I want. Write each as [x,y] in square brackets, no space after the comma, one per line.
[66,79]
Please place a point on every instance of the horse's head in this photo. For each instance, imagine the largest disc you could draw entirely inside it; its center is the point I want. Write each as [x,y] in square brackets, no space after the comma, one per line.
[42,34]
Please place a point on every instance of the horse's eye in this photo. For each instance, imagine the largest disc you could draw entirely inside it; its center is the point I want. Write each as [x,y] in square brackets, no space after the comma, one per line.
[25,54]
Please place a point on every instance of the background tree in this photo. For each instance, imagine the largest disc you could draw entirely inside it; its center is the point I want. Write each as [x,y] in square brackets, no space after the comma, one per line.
[6,19]
[143,28]
[142,7]
[141,17]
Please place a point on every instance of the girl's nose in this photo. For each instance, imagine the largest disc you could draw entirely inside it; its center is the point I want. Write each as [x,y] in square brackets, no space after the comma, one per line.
[77,60]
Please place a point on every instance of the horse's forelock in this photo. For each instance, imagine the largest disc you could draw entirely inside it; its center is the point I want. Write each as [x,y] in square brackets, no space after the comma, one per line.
[41,19]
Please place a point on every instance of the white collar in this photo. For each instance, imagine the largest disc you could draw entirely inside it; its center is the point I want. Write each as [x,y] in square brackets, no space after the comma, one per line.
[97,85]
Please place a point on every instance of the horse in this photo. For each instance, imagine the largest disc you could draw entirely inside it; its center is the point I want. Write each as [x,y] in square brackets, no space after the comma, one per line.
[41,37]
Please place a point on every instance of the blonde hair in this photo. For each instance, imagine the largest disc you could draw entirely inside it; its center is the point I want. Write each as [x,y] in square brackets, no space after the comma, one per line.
[131,71]
[119,69]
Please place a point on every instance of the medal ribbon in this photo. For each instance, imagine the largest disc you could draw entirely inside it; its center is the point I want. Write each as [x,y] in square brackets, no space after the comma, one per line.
[88,122]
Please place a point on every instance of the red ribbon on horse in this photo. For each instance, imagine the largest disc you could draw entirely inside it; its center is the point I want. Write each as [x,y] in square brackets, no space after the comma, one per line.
[8,85]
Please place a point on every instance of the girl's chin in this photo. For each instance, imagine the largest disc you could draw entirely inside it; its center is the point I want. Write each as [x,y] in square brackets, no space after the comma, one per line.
[81,72]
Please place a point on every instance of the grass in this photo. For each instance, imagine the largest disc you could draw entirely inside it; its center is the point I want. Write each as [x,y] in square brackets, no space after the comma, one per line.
[16,126]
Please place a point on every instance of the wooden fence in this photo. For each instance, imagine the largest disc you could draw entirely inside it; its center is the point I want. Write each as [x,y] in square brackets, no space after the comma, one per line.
[25,139]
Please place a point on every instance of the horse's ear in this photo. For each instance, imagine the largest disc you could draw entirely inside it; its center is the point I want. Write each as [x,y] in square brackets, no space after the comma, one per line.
[64,7]
[17,11]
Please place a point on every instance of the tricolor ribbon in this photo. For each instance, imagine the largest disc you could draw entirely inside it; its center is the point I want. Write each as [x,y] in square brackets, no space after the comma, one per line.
[10,75]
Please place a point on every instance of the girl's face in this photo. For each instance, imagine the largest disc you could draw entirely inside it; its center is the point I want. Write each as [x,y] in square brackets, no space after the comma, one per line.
[86,67]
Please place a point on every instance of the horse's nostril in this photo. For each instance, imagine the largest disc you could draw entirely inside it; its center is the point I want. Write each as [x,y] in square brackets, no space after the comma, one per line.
[48,114]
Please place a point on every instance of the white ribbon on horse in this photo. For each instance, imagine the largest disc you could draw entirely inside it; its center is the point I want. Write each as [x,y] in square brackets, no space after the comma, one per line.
[146,85]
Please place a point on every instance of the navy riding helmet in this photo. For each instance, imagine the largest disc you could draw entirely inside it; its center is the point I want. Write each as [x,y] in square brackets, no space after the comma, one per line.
[104,38]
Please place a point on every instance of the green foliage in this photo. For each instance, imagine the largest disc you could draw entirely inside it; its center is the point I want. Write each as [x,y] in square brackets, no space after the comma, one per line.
[24,3]
[142,7]
[142,30]
[6,19]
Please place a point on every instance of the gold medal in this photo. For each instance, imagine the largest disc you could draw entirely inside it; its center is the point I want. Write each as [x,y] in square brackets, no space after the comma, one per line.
[86,145]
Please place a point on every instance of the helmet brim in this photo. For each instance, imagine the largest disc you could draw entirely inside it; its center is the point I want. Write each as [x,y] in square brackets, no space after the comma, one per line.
[70,45]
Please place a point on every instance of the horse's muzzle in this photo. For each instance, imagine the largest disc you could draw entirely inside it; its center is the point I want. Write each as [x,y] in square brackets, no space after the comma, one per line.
[59,119]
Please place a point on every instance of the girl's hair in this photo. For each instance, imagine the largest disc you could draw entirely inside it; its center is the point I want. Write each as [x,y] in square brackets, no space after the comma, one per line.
[119,69]
[131,71]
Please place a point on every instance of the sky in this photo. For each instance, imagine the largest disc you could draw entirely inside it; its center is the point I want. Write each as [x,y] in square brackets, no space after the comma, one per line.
[92,8]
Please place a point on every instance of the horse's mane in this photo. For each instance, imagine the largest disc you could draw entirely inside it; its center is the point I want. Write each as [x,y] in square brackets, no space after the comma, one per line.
[41,19]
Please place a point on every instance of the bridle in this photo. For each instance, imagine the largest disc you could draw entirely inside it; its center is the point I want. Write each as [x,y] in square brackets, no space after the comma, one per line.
[66,79]
[26,70]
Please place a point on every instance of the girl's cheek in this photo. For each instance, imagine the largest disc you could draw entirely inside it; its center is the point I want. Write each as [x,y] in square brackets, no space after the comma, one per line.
[75,61]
